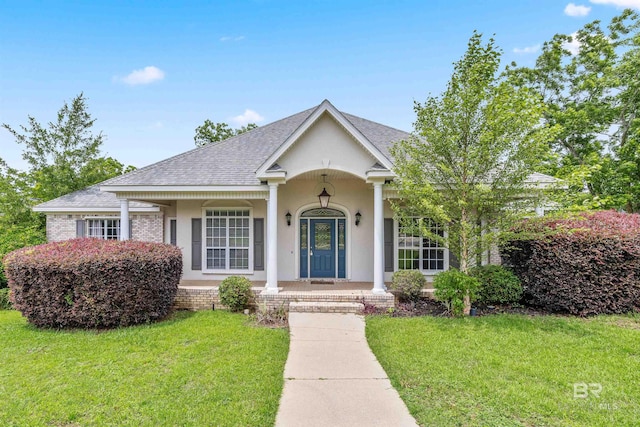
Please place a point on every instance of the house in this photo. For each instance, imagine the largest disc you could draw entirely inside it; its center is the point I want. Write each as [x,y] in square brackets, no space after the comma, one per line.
[302,198]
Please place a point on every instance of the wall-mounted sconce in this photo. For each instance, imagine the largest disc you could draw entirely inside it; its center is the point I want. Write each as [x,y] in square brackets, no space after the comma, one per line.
[288,216]
[358,218]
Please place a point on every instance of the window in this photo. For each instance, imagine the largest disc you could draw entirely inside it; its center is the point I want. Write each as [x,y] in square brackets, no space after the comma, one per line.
[416,252]
[108,229]
[227,239]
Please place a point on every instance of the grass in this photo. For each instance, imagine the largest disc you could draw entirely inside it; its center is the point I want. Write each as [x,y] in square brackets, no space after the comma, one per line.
[204,368]
[512,370]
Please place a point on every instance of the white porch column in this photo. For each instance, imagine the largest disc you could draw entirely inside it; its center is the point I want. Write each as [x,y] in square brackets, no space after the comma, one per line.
[124,219]
[272,240]
[378,240]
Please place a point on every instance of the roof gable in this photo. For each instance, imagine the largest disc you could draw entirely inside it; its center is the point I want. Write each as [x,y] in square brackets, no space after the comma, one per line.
[325,108]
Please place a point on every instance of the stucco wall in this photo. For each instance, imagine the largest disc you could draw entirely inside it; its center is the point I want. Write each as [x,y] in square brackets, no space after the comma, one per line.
[297,195]
[145,227]
[187,209]
[326,145]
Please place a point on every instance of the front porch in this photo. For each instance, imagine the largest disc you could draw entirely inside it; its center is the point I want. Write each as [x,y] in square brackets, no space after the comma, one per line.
[203,294]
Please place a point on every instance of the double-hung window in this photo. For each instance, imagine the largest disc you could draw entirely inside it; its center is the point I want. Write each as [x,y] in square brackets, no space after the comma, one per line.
[227,239]
[108,229]
[417,252]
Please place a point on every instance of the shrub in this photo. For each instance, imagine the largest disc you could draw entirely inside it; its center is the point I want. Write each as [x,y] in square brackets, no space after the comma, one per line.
[235,293]
[93,283]
[271,317]
[497,285]
[451,286]
[585,264]
[5,304]
[408,284]
[16,237]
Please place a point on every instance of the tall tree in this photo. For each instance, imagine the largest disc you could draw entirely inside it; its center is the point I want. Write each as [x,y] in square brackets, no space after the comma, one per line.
[473,147]
[210,132]
[591,90]
[63,156]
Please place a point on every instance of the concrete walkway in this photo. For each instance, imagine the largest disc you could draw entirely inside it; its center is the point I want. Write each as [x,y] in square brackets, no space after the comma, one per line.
[333,379]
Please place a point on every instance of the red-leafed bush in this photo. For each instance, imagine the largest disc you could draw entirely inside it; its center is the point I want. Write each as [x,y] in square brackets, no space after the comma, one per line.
[586,264]
[92,283]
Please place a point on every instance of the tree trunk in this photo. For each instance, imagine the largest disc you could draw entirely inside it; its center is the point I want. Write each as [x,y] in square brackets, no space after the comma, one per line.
[464,252]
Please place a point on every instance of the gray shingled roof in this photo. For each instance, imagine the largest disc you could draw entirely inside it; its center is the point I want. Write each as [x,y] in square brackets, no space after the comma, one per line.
[235,160]
[90,198]
[230,162]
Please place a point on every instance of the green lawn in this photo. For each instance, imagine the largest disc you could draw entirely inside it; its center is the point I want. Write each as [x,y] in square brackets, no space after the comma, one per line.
[197,369]
[512,370]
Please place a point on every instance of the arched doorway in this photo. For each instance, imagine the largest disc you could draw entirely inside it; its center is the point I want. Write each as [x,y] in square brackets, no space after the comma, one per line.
[323,243]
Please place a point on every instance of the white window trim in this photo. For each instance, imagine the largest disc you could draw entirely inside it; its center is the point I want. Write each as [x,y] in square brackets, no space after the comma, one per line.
[206,270]
[396,248]
[87,221]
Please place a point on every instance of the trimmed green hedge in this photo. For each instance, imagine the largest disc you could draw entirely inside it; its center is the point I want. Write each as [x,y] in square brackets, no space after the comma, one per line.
[93,283]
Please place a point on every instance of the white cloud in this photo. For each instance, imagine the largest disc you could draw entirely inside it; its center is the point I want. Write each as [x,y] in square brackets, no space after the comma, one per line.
[632,4]
[249,116]
[574,45]
[576,10]
[231,39]
[528,49]
[144,76]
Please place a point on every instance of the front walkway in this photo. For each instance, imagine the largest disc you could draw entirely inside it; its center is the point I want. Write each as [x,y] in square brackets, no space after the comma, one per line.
[333,379]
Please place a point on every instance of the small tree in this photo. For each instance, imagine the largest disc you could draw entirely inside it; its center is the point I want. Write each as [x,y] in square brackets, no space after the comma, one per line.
[210,132]
[467,163]
[63,156]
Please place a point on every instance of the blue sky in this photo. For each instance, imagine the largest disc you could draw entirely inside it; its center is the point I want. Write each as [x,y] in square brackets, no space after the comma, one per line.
[153,71]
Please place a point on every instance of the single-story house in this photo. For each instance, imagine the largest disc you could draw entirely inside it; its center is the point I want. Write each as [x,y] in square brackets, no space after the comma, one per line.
[305,197]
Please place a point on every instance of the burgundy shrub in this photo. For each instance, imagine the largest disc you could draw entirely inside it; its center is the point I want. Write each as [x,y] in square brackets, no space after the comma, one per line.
[586,264]
[93,283]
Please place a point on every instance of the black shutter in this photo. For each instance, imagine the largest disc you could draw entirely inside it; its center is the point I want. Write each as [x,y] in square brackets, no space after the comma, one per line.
[130,229]
[196,243]
[80,228]
[258,244]
[388,244]
[173,232]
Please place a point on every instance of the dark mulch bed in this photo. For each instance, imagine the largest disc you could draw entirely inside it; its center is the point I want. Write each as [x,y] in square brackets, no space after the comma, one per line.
[431,307]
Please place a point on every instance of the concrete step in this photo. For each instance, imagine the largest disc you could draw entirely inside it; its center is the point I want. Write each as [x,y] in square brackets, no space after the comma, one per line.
[325,307]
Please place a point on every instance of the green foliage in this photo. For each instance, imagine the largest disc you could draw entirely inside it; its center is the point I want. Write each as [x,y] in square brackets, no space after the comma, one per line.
[5,303]
[408,284]
[472,152]
[235,293]
[94,283]
[210,132]
[15,237]
[208,368]
[497,285]
[64,156]
[452,287]
[467,164]
[593,96]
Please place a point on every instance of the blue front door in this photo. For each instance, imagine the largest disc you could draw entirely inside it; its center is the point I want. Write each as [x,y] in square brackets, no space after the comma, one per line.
[322,248]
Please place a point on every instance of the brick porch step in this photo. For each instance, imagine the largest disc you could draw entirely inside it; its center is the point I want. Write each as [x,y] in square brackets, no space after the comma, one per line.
[325,307]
